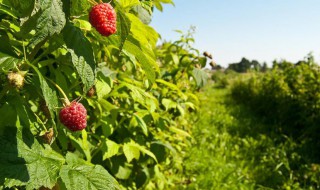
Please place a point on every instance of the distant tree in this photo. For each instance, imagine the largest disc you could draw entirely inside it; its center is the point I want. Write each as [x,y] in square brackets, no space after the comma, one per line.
[256,65]
[283,64]
[245,65]
[264,67]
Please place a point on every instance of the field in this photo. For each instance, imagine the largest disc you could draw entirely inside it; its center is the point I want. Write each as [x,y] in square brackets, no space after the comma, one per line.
[235,148]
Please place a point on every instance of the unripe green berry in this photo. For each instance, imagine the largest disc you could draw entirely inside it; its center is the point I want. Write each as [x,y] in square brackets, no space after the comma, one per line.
[16,79]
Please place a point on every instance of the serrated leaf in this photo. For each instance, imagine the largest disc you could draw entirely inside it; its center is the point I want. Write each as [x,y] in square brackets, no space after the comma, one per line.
[167,145]
[5,46]
[123,172]
[179,131]
[147,152]
[8,62]
[200,77]
[141,96]
[102,89]
[190,105]
[128,4]
[181,110]
[132,46]
[109,149]
[131,151]
[143,14]
[79,7]
[173,87]
[50,20]
[81,144]
[168,104]
[83,24]
[141,124]
[123,27]
[149,39]
[25,162]
[81,175]
[23,7]
[49,94]
[81,54]
[158,6]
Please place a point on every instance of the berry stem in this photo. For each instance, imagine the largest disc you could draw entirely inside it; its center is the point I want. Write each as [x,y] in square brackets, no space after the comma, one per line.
[65,98]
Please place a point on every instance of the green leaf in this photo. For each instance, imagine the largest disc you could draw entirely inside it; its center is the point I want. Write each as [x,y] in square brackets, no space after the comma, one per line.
[202,61]
[81,54]
[123,27]
[8,115]
[179,131]
[166,1]
[102,89]
[84,25]
[79,7]
[6,46]
[81,144]
[168,104]
[181,110]
[119,167]
[200,77]
[25,162]
[141,124]
[140,95]
[149,38]
[49,94]
[131,151]
[50,20]
[158,6]
[8,62]
[132,46]
[6,10]
[143,14]
[173,87]
[23,7]
[128,4]
[81,175]
[147,152]
[109,149]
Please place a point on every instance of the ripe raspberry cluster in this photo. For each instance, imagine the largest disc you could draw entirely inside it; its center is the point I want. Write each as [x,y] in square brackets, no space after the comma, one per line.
[104,19]
[74,116]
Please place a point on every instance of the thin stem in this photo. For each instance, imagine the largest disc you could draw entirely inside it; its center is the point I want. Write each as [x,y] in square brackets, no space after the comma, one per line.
[94,152]
[62,92]
[40,57]
[24,52]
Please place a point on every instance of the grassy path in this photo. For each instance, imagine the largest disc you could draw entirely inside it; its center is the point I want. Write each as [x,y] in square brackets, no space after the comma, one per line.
[234,150]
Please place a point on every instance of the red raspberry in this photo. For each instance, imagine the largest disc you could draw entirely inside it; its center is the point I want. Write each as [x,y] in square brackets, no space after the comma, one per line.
[104,19]
[74,116]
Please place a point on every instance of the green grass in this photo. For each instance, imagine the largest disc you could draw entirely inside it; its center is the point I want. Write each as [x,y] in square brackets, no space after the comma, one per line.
[232,149]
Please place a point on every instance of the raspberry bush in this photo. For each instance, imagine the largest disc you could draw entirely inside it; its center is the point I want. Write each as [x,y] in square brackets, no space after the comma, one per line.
[137,96]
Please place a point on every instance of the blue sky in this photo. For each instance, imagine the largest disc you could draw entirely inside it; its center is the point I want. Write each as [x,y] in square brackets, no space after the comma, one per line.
[264,30]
